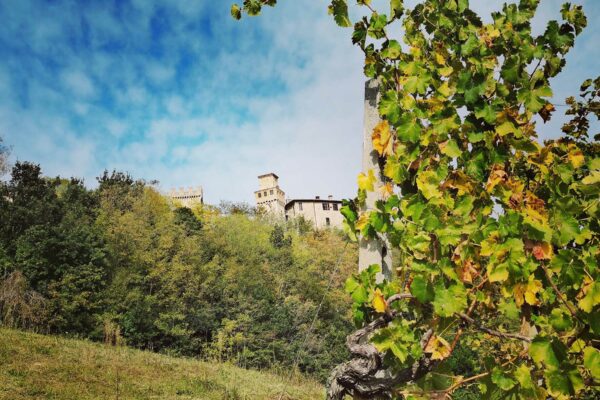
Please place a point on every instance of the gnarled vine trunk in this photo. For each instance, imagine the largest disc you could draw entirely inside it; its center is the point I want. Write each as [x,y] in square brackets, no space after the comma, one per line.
[365,376]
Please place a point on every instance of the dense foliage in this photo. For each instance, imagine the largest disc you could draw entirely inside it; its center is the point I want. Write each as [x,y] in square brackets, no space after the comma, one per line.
[498,234]
[121,258]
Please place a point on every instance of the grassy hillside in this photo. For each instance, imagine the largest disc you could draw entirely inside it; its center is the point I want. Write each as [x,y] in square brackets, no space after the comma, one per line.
[47,367]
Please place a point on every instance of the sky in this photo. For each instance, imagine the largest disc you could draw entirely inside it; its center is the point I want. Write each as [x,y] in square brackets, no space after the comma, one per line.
[179,92]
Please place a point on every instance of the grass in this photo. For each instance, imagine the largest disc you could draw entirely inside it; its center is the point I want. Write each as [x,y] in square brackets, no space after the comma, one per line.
[52,368]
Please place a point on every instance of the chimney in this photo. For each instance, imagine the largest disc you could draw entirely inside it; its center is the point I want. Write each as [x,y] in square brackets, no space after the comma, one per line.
[330,197]
[317,197]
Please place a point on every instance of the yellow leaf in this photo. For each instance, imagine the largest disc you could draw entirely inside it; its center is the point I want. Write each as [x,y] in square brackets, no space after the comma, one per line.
[445,90]
[527,292]
[382,138]
[498,175]
[543,251]
[446,71]
[438,347]
[363,219]
[467,270]
[366,182]
[459,181]
[505,128]
[533,287]
[489,244]
[519,292]
[386,190]
[576,158]
[378,302]
[439,58]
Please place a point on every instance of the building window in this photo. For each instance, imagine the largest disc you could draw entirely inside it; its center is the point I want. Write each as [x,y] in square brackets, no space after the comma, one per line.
[327,222]
[326,206]
[271,191]
[300,206]
[335,207]
[259,195]
[265,193]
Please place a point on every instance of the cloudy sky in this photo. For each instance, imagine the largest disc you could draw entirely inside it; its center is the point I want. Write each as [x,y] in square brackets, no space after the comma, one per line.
[175,90]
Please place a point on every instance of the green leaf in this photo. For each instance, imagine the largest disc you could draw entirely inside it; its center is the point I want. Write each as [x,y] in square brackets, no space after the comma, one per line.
[429,185]
[399,338]
[391,50]
[389,106]
[396,8]
[509,309]
[532,99]
[409,129]
[486,113]
[591,298]
[356,290]
[503,381]
[348,213]
[421,289]
[469,46]
[564,382]
[498,273]
[523,376]
[339,9]
[541,352]
[419,242]
[464,205]
[377,26]
[252,7]
[591,360]
[449,301]
[450,148]
[560,320]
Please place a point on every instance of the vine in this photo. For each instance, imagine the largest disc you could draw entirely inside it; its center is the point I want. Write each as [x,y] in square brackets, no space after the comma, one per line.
[498,233]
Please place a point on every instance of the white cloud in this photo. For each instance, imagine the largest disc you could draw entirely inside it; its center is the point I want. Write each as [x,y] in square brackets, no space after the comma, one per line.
[79,83]
[281,93]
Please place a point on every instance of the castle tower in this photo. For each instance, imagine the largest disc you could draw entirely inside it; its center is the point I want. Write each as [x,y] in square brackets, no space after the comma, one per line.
[269,196]
[187,197]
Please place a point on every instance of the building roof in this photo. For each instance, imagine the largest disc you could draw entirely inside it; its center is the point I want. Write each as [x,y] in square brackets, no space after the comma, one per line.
[289,203]
[269,174]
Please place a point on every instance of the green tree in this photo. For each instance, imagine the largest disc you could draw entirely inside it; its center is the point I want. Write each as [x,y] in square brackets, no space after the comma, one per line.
[4,153]
[497,233]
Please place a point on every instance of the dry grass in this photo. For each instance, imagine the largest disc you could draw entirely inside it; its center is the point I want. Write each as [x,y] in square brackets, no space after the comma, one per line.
[48,367]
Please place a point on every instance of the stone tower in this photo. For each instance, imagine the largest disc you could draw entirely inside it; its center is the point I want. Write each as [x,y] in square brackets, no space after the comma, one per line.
[269,196]
[377,250]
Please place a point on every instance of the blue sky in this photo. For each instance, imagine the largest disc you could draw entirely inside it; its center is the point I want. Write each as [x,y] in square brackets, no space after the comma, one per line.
[179,92]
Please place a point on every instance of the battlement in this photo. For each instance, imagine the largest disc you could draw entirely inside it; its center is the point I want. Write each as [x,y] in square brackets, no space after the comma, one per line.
[187,196]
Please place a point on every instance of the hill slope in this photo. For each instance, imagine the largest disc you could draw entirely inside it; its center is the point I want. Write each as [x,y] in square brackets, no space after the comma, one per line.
[47,367]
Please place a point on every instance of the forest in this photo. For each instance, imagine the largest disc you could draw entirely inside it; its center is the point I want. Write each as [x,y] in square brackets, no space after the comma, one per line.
[120,263]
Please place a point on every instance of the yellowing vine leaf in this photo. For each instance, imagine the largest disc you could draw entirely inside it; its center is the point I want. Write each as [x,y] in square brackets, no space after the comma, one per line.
[383,141]
[386,190]
[498,175]
[366,182]
[527,292]
[362,221]
[576,157]
[543,251]
[438,347]
[378,302]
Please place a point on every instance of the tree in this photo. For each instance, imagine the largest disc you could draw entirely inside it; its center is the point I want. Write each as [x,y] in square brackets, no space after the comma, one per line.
[4,153]
[498,234]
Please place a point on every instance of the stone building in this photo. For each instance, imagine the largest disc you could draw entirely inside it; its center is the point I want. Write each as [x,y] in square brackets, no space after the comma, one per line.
[187,197]
[322,213]
[269,196]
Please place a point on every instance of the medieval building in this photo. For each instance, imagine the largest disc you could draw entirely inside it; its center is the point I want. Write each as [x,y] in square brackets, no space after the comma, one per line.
[187,197]
[323,213]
